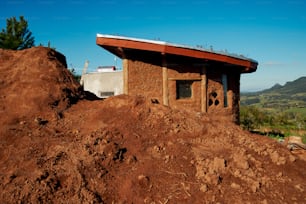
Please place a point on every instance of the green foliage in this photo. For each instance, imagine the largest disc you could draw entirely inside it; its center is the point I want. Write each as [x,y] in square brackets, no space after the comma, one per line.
[273,122]
[277,112]
[75,75]
[250,117]
[48,46]
[16,36]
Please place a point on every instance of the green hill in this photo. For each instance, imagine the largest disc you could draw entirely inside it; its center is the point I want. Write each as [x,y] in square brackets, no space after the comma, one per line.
[277,111]
[290,95]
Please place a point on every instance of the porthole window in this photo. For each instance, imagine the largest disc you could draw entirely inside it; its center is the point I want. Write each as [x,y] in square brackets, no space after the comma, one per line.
[183,89]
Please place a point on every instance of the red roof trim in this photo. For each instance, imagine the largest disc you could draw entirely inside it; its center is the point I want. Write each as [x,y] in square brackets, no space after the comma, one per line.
[162,47]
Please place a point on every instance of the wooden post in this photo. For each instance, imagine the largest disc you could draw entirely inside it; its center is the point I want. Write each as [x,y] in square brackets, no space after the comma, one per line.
[204,90]
[165,81]
[125,76]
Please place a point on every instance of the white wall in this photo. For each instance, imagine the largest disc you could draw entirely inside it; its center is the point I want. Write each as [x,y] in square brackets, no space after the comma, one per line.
[99,82]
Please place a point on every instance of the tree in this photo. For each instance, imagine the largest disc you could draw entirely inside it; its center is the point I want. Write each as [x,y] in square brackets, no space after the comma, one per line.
[16,36]
[251,117]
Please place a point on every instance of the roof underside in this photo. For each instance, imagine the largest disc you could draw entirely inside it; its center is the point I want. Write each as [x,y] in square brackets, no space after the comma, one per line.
[119,45]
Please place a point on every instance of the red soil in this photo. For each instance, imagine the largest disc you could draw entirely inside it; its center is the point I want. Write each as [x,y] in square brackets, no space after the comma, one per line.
[58,147]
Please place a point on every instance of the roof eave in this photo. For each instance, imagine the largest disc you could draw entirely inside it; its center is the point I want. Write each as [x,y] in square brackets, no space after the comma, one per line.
[120,43]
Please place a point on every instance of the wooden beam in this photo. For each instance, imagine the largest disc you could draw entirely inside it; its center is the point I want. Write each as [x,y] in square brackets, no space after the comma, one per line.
[186,78]
[204,90]
[165,81]
[125,76]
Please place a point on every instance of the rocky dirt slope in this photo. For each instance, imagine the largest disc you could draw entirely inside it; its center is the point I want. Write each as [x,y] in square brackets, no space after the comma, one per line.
[58,147]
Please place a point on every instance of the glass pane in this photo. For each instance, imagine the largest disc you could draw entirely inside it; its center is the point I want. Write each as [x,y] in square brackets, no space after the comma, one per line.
[224,83]
[183,89]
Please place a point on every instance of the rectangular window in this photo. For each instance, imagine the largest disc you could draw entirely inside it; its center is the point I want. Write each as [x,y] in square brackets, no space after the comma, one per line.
[183,89]
[224,83]
[105,94]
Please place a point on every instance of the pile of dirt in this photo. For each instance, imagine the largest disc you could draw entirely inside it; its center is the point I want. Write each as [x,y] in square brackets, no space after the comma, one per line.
[33,82]
[129,150]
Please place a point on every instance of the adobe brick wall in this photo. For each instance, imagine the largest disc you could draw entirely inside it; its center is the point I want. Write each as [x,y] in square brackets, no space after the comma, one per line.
[193,103]
[234,95]
[215,93]
[145,79]
[179,71]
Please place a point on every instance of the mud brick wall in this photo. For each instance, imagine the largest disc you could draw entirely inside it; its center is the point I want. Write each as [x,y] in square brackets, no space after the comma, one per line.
[233,94]
[184,70]
[193,103]
[145,79]
[215,93]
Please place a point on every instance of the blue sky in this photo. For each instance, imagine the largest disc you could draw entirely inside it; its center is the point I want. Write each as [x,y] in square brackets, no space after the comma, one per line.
[269,31]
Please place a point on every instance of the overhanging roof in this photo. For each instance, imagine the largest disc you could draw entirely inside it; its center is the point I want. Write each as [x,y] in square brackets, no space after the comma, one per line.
[117,44]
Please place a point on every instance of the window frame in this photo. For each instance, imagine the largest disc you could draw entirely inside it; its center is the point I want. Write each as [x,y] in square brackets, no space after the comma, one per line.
[180,92]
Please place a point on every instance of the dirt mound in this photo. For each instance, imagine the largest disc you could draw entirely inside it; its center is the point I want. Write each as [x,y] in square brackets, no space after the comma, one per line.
[33,82]
[129,150]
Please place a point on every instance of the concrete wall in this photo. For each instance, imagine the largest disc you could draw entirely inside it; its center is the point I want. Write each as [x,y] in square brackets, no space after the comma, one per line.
[103,84]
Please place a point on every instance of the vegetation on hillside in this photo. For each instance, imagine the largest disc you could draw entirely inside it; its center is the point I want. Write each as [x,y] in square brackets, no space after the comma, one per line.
[273,122]
[279,111]
[291,95]
[75,75]
[16,36]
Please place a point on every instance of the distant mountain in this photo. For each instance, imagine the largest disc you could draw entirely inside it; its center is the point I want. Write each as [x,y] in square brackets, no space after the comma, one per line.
[292,94]
[275,87]
[292,87]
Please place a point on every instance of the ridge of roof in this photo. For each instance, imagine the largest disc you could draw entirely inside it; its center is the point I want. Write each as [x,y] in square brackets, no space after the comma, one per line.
[175,45]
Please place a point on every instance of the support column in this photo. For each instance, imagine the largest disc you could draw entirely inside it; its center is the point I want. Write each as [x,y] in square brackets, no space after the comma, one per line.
[204,90]
[165,81]
[125,76]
